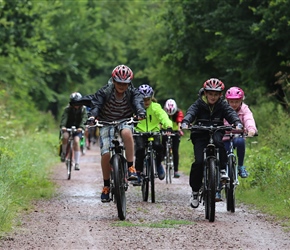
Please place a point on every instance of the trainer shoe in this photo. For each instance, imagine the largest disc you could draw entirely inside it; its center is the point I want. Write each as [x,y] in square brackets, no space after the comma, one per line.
[218,197]
[105,196]
[242,171]
[132,173]
[77,166]
[161,173]
[176,175]
[224,175]
[62,157]
[194,202]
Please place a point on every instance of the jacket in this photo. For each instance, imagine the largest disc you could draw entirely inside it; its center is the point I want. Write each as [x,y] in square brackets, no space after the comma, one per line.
[155,115]
[246,117]
[74,117]
[96,101]
[176,118]
[201,111]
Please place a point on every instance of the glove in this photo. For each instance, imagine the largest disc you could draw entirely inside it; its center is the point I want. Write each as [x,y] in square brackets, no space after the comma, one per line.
[239,126]
[91,120]
[141,116]
[251,133]
[184,125]
[181,132]
[169,130]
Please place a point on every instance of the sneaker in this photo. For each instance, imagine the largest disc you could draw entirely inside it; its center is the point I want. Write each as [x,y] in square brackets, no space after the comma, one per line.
[194,202]
[138,181]
[218,197]
[224,175]
[77,166]
[105,196]
[132,173]
[176,175]
[243,172]
[161,173]
[62,157]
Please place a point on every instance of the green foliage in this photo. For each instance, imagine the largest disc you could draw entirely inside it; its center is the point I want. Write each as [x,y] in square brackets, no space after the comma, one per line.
[24,174]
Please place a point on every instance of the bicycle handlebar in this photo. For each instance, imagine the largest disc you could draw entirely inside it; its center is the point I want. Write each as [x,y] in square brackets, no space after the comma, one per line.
[146,134]
[128,121]
[210,128]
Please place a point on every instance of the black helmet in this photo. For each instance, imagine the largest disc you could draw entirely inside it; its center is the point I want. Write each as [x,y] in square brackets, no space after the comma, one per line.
[75,96]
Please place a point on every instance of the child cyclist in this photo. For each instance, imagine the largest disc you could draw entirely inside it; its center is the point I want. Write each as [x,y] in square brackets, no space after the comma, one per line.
[211,109]
[176,116]
[235,97]
[73,115]
[116,100]
[155,116]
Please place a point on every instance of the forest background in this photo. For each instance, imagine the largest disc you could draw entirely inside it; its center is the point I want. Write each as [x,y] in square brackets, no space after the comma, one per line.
[49,49]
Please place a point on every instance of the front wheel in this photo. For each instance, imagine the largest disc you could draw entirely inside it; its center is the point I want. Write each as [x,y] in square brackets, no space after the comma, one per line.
[119,185]
[152,176]
[69,160]
[145,181]
[230,187]
[211,189]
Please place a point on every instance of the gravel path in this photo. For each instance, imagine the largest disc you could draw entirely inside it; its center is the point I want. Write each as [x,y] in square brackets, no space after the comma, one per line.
[76,219]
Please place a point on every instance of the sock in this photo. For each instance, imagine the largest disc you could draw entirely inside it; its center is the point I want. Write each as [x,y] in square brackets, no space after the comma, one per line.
[106,183]
[130,164]
[77,156]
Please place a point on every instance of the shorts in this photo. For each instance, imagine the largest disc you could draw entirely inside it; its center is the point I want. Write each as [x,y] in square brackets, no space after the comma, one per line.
[107,134]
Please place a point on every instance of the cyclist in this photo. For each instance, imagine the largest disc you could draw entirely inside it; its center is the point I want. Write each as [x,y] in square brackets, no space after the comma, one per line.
[235,97]
[211,109]
[116,100]
[73,115]
[176,116]
[155,116]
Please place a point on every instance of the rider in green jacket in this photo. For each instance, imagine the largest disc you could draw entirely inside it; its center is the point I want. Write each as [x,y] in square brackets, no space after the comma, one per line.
[156,118]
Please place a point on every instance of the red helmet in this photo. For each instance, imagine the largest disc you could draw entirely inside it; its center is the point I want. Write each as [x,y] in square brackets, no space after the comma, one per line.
[235,93]
[122,73]
[213,84]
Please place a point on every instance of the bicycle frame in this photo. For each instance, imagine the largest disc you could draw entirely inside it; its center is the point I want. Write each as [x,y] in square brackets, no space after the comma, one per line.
[119,170]
[168,159]
[149,168]
[211,177]
[69,150]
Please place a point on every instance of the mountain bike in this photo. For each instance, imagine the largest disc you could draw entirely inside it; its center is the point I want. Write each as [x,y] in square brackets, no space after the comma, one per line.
[69,150]
[168,159]
[149,172]
[211,176]
[119,170]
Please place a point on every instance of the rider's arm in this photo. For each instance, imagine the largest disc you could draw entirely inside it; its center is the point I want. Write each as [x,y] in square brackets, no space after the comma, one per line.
[64,118]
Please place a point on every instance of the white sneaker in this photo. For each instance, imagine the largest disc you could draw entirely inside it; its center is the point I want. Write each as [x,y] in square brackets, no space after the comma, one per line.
[194,202]
[224,175]
[77,166]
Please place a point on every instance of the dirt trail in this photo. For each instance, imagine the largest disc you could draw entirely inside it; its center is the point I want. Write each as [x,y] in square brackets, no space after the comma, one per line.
[76,219]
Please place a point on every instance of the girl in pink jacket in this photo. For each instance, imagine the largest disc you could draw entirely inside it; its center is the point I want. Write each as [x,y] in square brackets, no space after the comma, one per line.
[235,97]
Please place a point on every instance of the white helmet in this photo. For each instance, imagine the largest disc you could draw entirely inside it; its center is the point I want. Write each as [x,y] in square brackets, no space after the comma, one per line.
[170,107]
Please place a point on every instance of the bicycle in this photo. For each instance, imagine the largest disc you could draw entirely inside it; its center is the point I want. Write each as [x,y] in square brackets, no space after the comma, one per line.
[211,176]
[149,172]
[119,171]
[168,158]
[69,151]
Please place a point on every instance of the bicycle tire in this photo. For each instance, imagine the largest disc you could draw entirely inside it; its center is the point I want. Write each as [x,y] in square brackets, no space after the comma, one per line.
[205,192]
[171,166]
[152,176]
[145,181]
[119,186]
[211,189]
[167,166]
[230,187]
[69,160]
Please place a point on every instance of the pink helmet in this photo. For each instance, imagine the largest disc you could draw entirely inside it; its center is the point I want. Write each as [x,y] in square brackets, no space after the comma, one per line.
[235,93]
[122,73]
[170,107]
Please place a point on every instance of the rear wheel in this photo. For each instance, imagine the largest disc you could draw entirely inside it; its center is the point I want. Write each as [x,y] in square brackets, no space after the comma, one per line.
[119,186]
[230,187]
[145,181]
